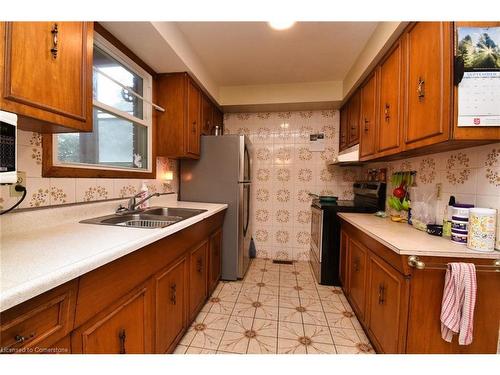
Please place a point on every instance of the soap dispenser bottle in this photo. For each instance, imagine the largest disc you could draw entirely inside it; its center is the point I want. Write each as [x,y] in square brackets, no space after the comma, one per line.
[144,194]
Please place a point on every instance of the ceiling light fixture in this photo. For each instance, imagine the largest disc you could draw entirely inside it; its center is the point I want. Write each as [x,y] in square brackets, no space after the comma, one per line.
[281,24]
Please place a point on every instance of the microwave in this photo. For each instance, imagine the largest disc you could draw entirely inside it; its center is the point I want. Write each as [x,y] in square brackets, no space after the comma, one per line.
[8,153]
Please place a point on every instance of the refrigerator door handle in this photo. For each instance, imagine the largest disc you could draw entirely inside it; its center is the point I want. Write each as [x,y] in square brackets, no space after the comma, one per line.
[246,188]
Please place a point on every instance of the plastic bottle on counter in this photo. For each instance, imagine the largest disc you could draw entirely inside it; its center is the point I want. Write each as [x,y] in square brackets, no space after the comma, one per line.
[144,194]
[447,217]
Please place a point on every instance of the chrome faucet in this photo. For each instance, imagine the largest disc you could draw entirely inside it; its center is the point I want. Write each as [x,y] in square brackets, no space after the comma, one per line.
[132,204]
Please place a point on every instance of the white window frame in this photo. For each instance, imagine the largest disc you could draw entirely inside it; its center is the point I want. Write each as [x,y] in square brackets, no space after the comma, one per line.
[147,112]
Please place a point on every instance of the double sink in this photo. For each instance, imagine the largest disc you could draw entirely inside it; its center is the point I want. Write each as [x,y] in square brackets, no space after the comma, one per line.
[154,217]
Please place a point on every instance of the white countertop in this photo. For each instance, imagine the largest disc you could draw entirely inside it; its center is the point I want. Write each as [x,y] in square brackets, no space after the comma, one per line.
[35,260]
[406,240]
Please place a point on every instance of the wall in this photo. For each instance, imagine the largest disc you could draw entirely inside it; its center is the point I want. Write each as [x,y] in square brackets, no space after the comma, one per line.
[472,175]
[54,191]
[285,171]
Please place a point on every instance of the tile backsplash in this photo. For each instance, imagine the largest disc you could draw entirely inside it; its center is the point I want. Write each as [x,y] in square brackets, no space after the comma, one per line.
[286,171]
[43,191]
[472,175]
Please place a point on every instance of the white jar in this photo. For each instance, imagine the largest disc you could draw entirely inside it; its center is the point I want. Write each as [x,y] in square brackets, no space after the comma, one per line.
[482,227]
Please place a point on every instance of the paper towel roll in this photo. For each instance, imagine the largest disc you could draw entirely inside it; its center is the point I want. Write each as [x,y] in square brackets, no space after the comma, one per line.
[482,228]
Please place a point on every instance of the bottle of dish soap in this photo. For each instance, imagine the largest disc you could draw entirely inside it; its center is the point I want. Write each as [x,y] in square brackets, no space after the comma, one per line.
[144,194]
[447,217]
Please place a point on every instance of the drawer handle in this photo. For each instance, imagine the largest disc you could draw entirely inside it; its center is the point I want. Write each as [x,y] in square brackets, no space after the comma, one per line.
[381,294]
[421,89]
[387,116]
[55,41]
[173,293]
[122,336]
[20,339]
[199,265]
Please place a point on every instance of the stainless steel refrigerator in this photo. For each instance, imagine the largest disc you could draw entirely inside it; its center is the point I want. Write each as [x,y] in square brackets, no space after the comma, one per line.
[223,174]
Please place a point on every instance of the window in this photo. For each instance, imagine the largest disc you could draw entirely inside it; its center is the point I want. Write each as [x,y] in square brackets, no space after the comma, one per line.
[121,139]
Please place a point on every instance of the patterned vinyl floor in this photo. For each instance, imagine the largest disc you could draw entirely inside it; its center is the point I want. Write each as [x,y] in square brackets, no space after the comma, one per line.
[275,309]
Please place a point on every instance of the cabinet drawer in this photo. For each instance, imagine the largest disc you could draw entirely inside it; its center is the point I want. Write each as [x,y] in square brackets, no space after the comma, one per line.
[37,324]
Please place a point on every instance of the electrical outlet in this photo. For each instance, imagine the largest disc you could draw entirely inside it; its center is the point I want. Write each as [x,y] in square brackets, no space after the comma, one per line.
[439,190]
[21,180]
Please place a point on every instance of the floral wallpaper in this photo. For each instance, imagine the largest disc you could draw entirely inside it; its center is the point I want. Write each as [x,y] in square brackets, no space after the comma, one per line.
[285,171]
[55,191]
[472,175]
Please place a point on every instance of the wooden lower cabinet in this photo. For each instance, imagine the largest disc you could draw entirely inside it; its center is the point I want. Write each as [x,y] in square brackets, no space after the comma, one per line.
[215,261]
[171,290]
[35,325]
[197,279]
[125,327]
[140,303]
[387,297]
[399,306]
[358,255]
[344,243]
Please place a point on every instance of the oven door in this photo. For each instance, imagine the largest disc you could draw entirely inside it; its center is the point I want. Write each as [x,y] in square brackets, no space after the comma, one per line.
[317,232]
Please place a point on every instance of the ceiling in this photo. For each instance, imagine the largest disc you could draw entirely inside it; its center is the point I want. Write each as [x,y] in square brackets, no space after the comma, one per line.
[251,53]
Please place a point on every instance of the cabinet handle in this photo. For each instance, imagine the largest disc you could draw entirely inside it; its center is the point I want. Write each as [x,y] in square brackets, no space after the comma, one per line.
[199,265]
[173,293]
[381,294]
[421,89]
[55,41]
[122,336]
[387,116]
[20,339]
[366,125]
[193,129]
[356,265]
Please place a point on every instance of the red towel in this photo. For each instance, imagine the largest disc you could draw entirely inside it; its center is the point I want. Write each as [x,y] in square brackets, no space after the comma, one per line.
[459,299]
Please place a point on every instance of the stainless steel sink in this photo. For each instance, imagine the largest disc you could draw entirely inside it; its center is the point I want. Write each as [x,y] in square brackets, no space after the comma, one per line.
[154,217]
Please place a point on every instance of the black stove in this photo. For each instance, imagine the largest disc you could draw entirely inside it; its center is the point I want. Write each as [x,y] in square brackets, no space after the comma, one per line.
[369,197]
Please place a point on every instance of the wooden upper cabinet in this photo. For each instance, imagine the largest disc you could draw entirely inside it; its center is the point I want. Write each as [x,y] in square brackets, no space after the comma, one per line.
[353,119]
[428,50]
[47,68]
[179,127]
[368,121]
[387,301]
[218,119]
[390,109]
[125,327]
[194,119]
[206,115]
[344,117]
[170,311]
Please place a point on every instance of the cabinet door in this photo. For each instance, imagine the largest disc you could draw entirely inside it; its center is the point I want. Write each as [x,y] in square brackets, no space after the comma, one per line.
[214,260]
[384,312]
[193,119]
[170,305]
[428,83]
[197,279]
[344,251]
[357,276]
[353,119]
[123,328]
[344,114]
[390,108]
[218,120]
[368,117]
[47,68]
[206,116]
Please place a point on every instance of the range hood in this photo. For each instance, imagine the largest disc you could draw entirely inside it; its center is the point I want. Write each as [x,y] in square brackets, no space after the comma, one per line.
[348,157]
